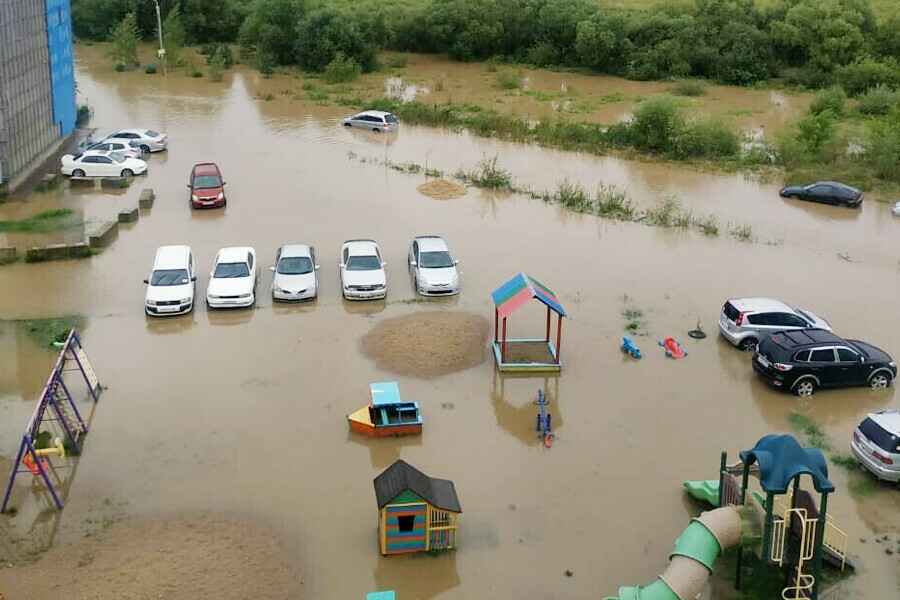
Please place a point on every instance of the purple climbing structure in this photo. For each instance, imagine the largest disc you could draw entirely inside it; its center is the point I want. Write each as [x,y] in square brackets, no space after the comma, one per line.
[64,416]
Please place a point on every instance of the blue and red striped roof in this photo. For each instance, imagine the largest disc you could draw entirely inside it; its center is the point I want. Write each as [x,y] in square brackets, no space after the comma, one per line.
[519,290]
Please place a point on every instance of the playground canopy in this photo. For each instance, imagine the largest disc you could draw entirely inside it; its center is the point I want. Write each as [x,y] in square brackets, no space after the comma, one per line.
[781,458]
[521,289]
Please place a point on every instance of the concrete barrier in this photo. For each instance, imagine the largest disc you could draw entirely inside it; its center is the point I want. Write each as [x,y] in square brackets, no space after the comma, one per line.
[8,254]
[104,234]
[115,183]
[147,198]
[81,182]
[58,252]
[48,181]
[79,250]
[129,215]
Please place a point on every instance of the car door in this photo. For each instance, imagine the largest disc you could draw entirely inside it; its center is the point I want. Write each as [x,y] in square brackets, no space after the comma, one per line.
[252,264]
[414,260]
[762,323]
[787,321]
[820,193]
[315,264]
[86,164]
[344,257]
[853,370]
[823,365]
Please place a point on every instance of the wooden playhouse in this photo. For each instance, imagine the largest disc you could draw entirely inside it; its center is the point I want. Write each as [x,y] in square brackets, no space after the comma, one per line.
[416,513]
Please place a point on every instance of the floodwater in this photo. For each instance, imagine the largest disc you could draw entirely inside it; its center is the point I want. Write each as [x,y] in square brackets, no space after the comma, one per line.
[244,411]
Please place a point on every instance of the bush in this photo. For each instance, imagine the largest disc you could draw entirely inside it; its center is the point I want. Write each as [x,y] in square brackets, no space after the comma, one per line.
[196,73]
[703,138]
[831,99]
[120,67]
[867,73]
[542,54]
[224,56]
[150,68]
[689,87]
[326,32]
[883,151]
[509,80]
[656,124]
[341,69]
[83,116]
[878,101]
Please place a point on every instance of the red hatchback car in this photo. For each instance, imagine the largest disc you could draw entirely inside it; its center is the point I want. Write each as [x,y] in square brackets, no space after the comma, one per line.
[207,187]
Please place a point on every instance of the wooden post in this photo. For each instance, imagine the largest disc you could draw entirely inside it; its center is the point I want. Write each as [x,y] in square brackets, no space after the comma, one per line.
[817,549]
[558,336]
[503,343]
[547,338]
[496,318]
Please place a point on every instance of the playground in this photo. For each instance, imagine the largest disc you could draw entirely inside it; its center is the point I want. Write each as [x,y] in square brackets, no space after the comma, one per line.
[243,415]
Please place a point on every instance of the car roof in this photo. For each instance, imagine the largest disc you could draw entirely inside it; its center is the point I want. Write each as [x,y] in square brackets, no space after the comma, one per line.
[360,247]
[806,337]
[132,130]
[206,169]
[760,305]
[375,113]
[837,184]
[431,243]
[171,257]
[290,250]
[95,152]
[889,420]
[233,254]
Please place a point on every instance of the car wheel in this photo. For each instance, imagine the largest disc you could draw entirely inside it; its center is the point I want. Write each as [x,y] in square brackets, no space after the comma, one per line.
[376,130]
[880,380]
[127,173]
[346,124]
[805,388]
[77,173]
[145,148]
[748,344]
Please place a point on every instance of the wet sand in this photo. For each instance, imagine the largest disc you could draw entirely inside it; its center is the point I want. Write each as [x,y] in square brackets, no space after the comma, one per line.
[441,189]
[245,410]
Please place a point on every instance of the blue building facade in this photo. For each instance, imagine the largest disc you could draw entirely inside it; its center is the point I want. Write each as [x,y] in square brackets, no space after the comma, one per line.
[62,64]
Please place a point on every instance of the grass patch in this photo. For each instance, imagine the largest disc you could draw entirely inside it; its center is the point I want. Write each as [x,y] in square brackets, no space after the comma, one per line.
[844,461]
[509,80]
[742,233]
[85,559]
[688,87]
[47,331]
[664,212]
[488,175]
[43,222]
[864,488]
[810,430]
[635,323]
[709,225]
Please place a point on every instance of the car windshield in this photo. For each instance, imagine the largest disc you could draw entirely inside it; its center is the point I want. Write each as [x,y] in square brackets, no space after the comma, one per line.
[363,263]
[294,265]
[229,270]
[117,156]
[169,277]
[806,316]
[205,182]
[151,133]
[435,260]
[391,118]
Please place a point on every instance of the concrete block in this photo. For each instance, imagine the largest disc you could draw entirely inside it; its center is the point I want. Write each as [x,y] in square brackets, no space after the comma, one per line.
[129,215]
[81,182]
[104,235]
[115,183]
[79,250]
[49,180]
[8,254]
[45,253]
[147,198]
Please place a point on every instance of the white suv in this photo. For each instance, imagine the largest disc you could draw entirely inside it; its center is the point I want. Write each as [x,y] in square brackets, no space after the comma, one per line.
[170,289]
[362,271]
[747,321]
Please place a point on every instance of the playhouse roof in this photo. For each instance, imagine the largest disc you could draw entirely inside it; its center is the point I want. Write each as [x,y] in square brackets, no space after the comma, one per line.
[519,290]
[781,458]
[402,476]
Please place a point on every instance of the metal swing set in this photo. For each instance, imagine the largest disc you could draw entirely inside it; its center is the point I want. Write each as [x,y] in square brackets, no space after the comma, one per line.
[63,416]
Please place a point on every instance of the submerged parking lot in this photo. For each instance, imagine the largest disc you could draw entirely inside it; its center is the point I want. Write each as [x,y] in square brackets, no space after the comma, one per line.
[243,412]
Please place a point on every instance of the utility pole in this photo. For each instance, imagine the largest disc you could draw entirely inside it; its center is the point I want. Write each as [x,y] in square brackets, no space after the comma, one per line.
[161,53]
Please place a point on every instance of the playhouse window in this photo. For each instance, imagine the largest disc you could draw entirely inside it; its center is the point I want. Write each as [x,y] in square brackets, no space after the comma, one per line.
[406,522]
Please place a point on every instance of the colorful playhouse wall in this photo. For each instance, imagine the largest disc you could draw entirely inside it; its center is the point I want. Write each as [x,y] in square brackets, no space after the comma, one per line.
[403,525]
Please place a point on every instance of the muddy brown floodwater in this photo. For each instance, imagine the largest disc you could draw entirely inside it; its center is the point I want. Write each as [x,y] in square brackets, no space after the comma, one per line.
[243,412]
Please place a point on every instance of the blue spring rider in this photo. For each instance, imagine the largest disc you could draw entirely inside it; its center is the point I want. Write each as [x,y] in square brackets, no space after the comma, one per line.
[543,426]
[628,347]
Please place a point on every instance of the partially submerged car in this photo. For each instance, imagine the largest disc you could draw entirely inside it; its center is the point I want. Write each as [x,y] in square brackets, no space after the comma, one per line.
[433,267]
[232,281]
[101,163]
[149,140]
[207,187]
[376,120]
[746,321]
[170,287]
[296,273]
[825,192]
[362,270]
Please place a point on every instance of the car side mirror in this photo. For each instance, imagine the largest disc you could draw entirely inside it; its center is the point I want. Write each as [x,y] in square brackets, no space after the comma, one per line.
[271,268]
[189,185]
[455,262]
[317,267]
[412,263]
[384,263]
[146,281]
[224,183]
[342,265]
[194,278]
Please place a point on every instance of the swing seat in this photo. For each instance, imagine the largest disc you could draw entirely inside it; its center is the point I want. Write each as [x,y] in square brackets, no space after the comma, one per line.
[32,466]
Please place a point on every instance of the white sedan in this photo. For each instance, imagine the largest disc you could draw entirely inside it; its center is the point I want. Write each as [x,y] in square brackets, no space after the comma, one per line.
[149,140]
[432,267]
[100,163]
[232,281]
[296,273]
[131,150]
[362,271]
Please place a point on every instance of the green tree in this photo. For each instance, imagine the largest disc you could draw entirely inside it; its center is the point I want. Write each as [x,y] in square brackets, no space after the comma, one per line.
[816,130]
[326,33]
[270,29]
[124,39]
[92,19]
[174,35]
[601,42]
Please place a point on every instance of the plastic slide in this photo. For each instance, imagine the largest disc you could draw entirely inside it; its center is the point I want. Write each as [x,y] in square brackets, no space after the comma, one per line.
[692,560]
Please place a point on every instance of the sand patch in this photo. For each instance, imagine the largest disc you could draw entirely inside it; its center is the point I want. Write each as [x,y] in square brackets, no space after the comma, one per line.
[184,557]
[427,344]
[441,189]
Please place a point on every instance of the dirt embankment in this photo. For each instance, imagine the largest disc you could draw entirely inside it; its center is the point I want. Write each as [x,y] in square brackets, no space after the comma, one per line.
[427,344]
[184,557]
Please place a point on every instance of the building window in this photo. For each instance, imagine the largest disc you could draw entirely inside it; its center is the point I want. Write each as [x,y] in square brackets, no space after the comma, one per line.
[405,522]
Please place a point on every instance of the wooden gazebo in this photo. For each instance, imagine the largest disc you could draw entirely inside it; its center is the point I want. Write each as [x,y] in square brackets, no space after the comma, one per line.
[525,355]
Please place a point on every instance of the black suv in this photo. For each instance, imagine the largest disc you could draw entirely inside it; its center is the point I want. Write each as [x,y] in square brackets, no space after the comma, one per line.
[806,359]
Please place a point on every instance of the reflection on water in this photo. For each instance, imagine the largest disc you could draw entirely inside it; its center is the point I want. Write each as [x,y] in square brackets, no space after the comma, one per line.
[516,409]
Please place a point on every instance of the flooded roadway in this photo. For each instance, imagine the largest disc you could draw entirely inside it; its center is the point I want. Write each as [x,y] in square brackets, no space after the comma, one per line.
[244,411]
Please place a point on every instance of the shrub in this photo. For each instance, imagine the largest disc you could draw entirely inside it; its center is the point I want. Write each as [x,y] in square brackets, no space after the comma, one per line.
[341,69]
[831,99]
[120,67]
[657,122]
[689,87]
[612,201]
[488,175]
[224,56]
[878,101]
[266,64]
[509,80]
[816,130]
[867,73]
[664,212]
[83,116]
[883,151]
[542,54]
[124,38]
[704,138]
[196,73]
[150,68]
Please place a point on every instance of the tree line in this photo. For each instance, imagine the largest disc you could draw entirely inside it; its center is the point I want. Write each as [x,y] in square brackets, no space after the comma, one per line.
[814,43]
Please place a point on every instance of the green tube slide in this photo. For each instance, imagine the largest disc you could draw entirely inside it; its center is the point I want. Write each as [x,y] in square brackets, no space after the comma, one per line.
[693,558]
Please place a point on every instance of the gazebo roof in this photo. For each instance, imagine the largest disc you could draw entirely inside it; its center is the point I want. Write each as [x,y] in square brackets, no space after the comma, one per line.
[781,458]
[519,290]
